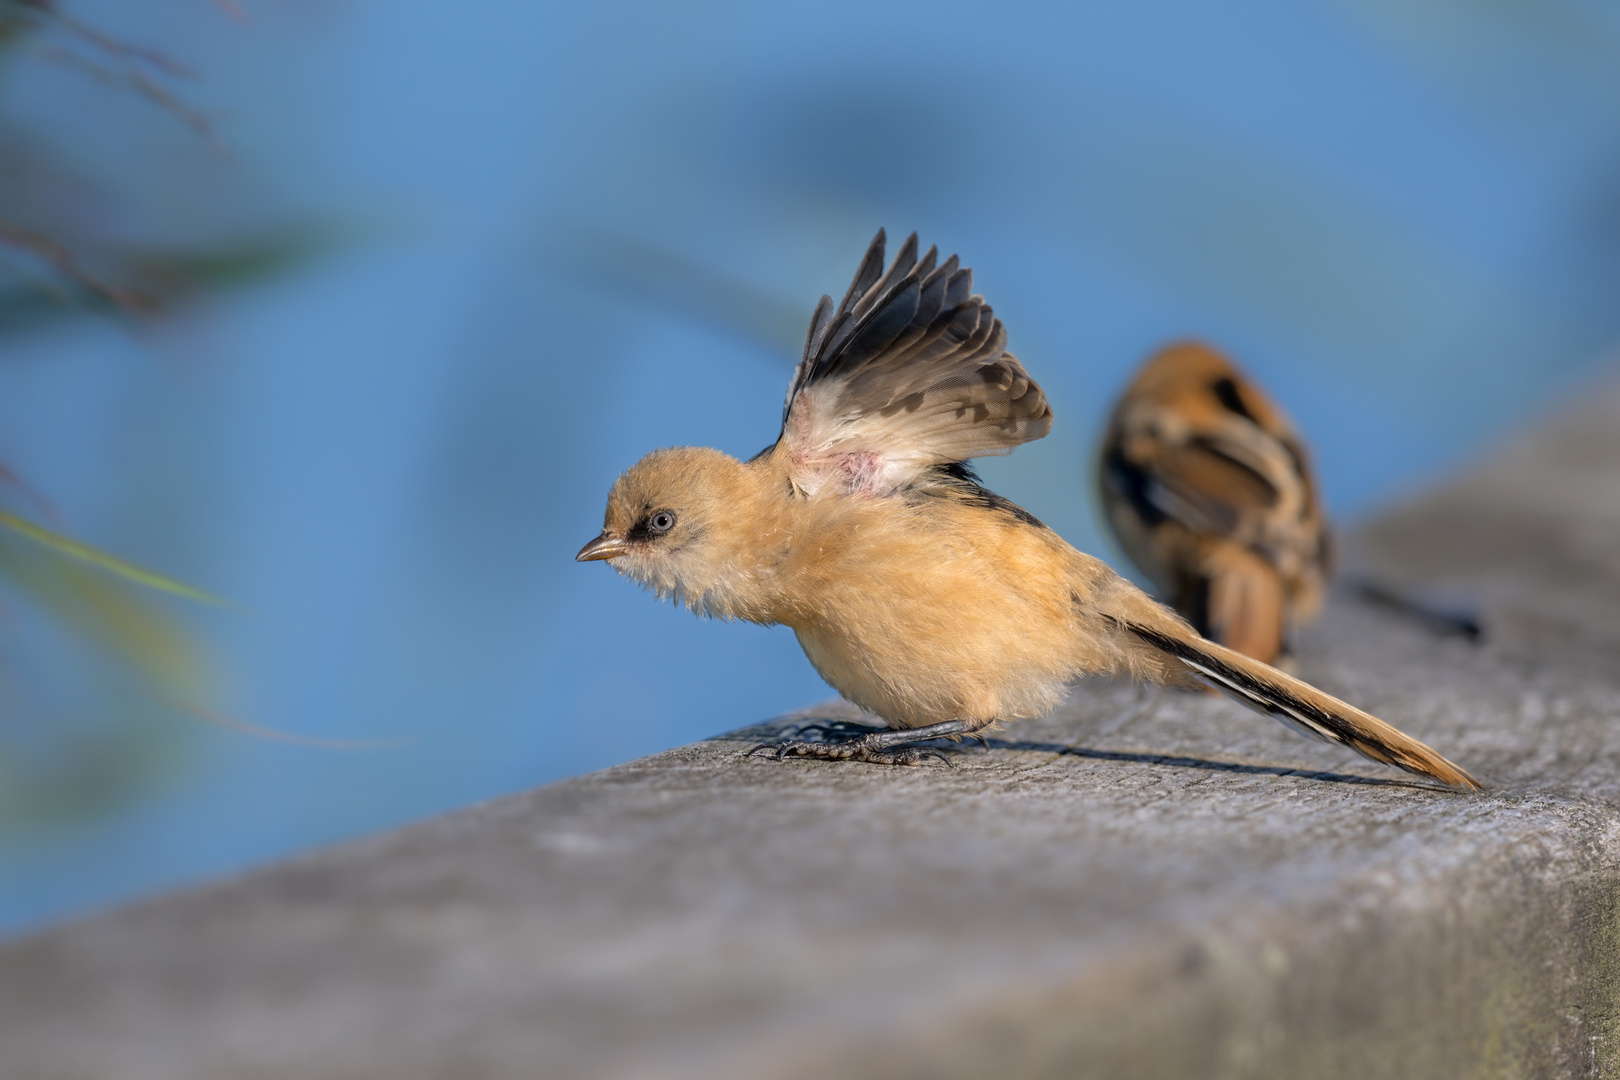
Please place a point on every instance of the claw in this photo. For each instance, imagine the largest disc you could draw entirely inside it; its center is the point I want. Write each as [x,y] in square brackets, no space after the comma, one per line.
[878,746]
[854,750]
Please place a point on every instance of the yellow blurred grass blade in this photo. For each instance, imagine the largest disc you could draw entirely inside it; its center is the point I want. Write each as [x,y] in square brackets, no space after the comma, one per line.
[101,559]
[104,610]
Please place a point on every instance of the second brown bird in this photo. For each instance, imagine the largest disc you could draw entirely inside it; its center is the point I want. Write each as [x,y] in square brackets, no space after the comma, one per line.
[1207,487]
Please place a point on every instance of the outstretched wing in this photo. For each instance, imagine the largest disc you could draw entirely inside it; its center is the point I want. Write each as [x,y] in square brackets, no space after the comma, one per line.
[910,371]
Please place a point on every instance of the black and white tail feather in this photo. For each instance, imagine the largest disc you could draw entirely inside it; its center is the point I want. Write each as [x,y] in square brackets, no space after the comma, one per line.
[1301,706]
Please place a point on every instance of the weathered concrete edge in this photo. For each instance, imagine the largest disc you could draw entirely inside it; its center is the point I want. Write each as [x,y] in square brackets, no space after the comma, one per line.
[1518,975]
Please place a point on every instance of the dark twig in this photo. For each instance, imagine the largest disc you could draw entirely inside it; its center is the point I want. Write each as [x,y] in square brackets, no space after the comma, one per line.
[59,257]
[113,47]
[143,84]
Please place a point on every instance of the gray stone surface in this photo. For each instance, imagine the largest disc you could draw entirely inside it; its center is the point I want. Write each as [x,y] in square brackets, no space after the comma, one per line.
[1154,886]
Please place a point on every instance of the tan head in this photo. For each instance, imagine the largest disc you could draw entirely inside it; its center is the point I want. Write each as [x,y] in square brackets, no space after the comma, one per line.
[1197,383]
[674,523]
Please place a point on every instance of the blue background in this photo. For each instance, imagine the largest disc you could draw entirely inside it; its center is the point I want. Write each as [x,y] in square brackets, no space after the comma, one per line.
[563,235]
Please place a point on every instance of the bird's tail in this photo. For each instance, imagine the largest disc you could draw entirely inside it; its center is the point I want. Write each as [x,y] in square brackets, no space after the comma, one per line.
[1297,704]
[1243,602]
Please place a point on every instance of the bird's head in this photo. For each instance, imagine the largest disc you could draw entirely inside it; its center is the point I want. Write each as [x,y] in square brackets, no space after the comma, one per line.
[673,524]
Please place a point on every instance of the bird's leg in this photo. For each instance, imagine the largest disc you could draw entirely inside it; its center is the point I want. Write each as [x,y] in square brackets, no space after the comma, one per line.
[878,747]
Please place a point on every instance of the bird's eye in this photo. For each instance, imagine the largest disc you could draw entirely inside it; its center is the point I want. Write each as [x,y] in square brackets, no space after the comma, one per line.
[661,522]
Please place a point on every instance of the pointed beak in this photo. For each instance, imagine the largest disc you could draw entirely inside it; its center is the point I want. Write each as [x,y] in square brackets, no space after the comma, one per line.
[605,546]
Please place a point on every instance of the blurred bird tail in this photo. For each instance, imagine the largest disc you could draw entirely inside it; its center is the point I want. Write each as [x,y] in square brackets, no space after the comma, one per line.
[1244,603]
[1297,704]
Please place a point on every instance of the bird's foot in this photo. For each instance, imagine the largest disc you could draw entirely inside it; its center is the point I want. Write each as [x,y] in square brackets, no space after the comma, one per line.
[856,749]
[883,747]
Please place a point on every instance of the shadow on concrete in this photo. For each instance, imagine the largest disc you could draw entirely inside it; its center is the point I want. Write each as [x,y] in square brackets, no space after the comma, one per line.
[816,729]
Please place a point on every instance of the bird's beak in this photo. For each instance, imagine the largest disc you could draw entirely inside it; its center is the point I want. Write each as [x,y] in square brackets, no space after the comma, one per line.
[605,546]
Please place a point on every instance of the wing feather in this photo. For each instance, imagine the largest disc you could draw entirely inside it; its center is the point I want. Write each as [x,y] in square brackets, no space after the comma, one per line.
[866,275]
[904,260]
[909,372]
[875,335]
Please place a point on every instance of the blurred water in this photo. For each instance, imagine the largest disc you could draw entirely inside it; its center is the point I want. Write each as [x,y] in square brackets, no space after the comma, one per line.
[576,233]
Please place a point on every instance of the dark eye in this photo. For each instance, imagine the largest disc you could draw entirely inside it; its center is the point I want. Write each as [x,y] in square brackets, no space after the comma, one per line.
[661,522]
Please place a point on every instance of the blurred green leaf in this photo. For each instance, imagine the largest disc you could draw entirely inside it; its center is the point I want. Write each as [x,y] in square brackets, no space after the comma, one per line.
[17,19]
[157,281]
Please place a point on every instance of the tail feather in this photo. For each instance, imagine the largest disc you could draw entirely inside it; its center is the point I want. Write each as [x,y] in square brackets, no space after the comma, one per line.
[1301,706]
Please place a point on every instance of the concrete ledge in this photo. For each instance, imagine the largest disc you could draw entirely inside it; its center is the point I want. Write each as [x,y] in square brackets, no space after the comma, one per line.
[1144,886]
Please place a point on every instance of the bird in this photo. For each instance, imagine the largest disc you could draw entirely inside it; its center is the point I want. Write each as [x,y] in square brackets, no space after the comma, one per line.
[917,593]
[1208,489]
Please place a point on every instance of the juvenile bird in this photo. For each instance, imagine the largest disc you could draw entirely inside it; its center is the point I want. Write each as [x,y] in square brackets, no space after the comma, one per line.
[919,595]
[1207,488]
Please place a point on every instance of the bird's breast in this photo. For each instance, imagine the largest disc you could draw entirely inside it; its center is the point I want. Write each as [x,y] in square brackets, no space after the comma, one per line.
[924,618]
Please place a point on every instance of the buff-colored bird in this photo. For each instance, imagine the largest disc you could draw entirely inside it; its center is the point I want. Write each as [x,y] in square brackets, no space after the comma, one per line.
[1208,490]
[918,594]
